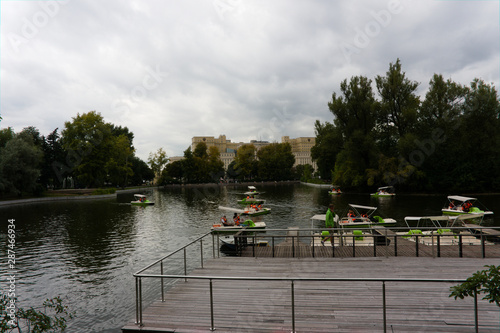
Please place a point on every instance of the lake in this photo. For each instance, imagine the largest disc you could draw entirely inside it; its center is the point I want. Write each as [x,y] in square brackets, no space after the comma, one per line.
[86,251]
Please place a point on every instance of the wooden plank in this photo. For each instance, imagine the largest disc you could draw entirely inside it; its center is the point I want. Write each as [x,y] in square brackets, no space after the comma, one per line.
[265,306]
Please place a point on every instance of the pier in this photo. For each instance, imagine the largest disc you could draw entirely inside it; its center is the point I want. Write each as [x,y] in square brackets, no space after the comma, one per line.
[296,291]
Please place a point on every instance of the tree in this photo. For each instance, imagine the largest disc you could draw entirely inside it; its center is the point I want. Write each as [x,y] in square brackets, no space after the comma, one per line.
[275,161]
[399,105]
[141,171]
[19,165]
[53,317]
[53,152]
[328,144]
[118,166]
[6,134]
[486,281]
[87,141]
[157,162]
[356,114]
[245,162]
[215,164]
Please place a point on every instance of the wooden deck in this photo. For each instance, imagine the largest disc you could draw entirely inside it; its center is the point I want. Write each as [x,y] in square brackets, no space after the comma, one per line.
[265,306]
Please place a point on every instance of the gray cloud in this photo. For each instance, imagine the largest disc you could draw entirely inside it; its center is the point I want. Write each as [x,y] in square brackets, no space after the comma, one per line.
[248,69]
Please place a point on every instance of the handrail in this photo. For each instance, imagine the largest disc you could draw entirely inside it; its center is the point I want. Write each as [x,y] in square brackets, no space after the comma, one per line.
[172,253]
[139,275]
[293,280]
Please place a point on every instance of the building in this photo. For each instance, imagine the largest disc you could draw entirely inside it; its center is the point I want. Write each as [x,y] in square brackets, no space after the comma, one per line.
[301,147]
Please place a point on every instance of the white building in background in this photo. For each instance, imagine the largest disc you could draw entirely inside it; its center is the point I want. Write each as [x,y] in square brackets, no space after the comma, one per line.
[301,148]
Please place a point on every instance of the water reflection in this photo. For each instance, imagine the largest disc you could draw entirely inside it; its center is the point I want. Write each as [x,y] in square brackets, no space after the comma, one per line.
[87,251]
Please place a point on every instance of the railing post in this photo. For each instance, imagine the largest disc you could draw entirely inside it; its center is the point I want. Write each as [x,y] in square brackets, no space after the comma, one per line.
[272,244]
[201,251]
[162,290]
[384,306]
[212,326]
[375,238]
[254,244]
[333,244]
[293,246]
[460,250]
[213,245]
[137,300]
[353,246]
[395,245]
[312,242]
[476,321]
[293,308]
[140,302]
[416,245]
[439,246]
[483,248]
[185,265]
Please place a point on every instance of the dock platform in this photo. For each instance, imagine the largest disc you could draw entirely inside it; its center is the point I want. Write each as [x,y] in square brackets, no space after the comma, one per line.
[319,306]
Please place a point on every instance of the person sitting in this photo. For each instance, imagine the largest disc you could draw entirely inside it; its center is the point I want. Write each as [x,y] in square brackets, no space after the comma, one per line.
[224,222]
[351,214]
[452,205]
[236,219]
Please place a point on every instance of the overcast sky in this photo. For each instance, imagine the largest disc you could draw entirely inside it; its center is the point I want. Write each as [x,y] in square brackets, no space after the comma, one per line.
[250,69]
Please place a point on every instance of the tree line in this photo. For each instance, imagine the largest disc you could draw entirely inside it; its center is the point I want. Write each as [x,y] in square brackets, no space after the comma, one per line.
[204,165]
[88,153]
[446,141]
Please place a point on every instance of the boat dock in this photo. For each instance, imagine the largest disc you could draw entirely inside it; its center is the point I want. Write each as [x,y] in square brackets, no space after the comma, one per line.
[294,291]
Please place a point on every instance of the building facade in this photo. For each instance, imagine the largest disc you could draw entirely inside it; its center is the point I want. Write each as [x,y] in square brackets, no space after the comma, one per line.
[301,147]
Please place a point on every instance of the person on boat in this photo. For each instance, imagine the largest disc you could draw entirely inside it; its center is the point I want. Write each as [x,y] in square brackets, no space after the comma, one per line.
[224,222]
[329,222]
[236,219]
[351,214]
[452,205]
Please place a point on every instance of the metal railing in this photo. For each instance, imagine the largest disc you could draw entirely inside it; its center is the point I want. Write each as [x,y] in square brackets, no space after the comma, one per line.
[383,239]
[292,281]
[386,238]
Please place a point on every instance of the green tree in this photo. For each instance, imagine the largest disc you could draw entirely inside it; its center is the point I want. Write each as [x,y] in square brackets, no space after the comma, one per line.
[356,113]
[157,162]
[53,153]
[329,143]
[141,171]
[275,161]
[399,106]
[118,166]
[53,317]
[486,281]
[215,164]
[87,140]
[20,165]
[6,134]
[245,162]
[172,173]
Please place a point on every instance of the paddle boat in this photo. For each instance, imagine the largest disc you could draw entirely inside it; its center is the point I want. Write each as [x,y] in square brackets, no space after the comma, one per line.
[429,227]
[251,200]
[384,192]
[228,243]
[249,210]
[247,224]
[335,190]
[141,200]
[357,227]
[252,190]
[363,216]
[460,205]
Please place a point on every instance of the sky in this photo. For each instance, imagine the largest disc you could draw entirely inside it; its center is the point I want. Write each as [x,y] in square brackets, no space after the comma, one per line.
[249,69]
